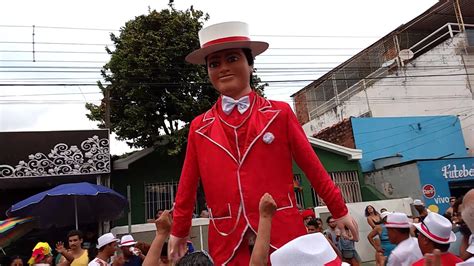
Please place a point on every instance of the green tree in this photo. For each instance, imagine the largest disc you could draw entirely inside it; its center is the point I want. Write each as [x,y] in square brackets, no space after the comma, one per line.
[154,94]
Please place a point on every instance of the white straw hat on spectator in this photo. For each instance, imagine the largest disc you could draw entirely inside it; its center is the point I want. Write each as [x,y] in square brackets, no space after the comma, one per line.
[310,249]
[397,220]
[127,240]
[222,36]
[418,202]
[384,214]
[437,228]
[106,239]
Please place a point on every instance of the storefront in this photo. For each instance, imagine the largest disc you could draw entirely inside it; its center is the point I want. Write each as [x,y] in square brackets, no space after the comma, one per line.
[434,181]
[442,179]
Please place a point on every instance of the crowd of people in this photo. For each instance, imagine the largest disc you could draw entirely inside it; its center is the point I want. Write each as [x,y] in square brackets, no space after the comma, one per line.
[425,239]
[402,240]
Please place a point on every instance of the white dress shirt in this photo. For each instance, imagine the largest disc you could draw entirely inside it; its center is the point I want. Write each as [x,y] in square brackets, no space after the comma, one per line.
[405,253]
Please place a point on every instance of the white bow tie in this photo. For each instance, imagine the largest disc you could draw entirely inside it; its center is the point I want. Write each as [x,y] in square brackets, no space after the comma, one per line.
[228,104]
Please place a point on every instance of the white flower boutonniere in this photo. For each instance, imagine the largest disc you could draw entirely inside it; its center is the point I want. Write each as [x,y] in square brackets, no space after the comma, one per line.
[268,137]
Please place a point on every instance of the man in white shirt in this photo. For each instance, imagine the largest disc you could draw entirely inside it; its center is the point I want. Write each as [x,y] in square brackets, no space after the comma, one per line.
[107,245]
[407,250]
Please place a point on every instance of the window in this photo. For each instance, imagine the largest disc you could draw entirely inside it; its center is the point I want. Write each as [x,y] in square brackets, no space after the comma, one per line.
[348,183]
[159,196]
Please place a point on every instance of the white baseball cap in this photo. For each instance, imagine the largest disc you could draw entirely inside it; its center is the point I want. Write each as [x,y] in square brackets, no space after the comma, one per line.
[310,249]
[127,240]
[106,239]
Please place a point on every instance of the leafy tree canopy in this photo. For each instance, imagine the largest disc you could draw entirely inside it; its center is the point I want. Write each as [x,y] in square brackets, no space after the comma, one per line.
[154,93]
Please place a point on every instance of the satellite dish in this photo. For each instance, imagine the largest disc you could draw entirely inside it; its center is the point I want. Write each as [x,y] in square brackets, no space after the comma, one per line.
[405,54]
[388,63]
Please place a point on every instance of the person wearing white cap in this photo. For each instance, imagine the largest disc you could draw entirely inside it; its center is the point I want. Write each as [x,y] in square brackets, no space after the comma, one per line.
[407,250]
[133,256]
[106,244]
[421,209]
[312,249]
[240,149]
[435,232]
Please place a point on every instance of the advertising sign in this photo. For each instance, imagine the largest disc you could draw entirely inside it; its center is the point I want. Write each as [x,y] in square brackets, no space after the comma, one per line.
[435,177]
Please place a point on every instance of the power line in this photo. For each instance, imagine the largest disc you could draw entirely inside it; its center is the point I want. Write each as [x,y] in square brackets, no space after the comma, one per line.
[54,52]
[54,27]
[259,69]
[58,43]
[411,140]
[422,144]
[263,81]
[51,61]
[112,44]
[428,125]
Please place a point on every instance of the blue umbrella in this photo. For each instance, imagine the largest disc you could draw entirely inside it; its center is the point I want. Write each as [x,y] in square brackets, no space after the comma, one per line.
[65,204]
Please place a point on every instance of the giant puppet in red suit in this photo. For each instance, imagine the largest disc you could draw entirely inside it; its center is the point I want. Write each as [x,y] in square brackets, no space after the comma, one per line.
[242,148]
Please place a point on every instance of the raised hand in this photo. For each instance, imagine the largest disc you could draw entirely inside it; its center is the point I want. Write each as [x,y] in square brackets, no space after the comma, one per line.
[163,223]
[267,206]
[60,247]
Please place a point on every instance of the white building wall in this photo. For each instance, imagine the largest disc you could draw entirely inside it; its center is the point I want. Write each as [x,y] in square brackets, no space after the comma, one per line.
[435,83]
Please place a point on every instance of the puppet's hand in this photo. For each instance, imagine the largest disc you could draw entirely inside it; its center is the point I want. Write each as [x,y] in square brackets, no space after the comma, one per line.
[177,248]
[351,224]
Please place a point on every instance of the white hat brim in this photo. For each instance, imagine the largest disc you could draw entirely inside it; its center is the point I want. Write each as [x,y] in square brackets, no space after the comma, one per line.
[128,244]
[198,56]
[452,236]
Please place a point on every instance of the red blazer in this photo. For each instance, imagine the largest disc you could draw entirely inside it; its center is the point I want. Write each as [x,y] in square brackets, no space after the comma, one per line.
[233,186]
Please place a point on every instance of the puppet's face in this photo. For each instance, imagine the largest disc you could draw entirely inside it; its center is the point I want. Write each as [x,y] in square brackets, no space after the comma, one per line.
[229,72]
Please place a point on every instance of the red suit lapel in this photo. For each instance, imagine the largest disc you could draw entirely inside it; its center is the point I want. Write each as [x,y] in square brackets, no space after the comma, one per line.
[261,118]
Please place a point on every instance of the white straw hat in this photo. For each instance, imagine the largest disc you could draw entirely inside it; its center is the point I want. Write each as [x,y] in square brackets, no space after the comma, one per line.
[384,214]
[221,36]
[127,240]
[106,239]
[397,220]
[437,228]
[310,249]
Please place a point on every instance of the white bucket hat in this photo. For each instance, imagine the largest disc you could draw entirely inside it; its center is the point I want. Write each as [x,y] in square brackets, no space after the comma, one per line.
[221,36]
[127,240]
[311,249]
[397,220]
[437,228]
[106,239]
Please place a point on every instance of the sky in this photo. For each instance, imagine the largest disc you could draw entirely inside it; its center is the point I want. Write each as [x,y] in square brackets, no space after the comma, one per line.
[307,38]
